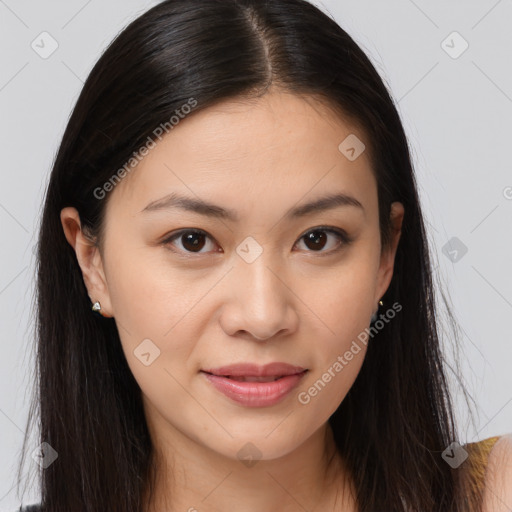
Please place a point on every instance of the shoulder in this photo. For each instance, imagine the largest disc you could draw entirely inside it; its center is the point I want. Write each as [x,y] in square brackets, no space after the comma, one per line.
[497,493]
[476,473]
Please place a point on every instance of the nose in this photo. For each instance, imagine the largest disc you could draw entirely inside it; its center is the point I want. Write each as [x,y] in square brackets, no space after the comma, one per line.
[259,303]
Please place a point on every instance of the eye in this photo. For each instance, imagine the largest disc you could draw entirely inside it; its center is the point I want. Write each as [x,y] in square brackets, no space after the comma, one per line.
[316,239]
[192,240]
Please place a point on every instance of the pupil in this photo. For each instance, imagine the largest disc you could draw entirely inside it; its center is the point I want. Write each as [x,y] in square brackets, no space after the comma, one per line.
[315,237]
[192,240]
[195,241]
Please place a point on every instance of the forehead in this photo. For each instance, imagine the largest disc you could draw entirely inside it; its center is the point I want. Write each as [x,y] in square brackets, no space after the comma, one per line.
[280,143]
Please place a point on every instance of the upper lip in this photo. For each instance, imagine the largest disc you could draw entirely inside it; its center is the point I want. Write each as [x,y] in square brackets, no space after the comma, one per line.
[253,370]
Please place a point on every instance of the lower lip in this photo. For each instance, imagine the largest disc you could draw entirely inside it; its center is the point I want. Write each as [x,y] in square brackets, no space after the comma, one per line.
[255,394]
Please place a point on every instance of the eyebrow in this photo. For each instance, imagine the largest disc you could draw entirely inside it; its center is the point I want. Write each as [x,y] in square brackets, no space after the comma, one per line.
[201,207]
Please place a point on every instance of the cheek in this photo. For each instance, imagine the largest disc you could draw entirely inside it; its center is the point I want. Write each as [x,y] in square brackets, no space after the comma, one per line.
[326,388]
[337,357]
[148,294]
[344,304]
[344,298]
[151,301]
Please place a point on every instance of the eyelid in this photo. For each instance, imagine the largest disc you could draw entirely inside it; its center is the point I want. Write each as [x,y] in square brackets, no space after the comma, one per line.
[341,233]
[176,234]
[331,229]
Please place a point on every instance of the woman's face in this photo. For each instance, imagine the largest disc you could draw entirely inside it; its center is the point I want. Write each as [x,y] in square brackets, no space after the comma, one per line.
[264,281]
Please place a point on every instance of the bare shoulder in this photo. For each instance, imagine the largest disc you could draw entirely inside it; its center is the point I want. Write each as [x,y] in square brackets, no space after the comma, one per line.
[497,496]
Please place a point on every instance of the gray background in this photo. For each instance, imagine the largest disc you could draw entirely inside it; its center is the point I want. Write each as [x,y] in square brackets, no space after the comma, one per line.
[456,112]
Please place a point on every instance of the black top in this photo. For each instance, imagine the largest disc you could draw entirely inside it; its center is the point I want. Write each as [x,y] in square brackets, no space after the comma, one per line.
[30,508]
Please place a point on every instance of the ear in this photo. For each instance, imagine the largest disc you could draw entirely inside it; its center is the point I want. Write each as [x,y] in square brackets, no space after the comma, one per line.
[387,260]
[89,259]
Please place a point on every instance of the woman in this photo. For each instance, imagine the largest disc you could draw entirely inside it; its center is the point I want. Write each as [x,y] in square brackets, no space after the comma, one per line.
[234,199]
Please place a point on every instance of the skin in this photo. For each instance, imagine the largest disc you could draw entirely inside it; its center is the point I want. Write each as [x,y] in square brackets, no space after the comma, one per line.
[212,308]
[497,495]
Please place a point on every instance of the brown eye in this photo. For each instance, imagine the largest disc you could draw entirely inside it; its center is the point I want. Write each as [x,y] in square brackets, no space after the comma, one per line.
[317,239]
[192,241]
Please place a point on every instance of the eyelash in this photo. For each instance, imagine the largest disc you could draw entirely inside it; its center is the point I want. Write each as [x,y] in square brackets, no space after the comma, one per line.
[345,239]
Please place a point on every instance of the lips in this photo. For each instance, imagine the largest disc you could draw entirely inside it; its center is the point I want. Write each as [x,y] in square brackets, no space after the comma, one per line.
[252,379]
[254,373]
[255,386]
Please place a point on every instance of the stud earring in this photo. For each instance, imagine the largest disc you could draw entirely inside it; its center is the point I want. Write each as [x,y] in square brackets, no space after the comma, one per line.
[96,307]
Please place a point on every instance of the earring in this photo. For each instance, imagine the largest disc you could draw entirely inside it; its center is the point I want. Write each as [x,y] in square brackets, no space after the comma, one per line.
[96,307]
[374,316]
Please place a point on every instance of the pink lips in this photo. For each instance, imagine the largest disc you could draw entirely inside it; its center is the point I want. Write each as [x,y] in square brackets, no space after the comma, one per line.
[255,386]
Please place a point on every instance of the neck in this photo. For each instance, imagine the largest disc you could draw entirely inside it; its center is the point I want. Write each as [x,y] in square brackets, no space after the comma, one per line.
[193,478]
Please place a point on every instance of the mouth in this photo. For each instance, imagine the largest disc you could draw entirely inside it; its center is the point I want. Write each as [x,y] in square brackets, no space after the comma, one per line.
[255,386]
[268,372]
[247,378]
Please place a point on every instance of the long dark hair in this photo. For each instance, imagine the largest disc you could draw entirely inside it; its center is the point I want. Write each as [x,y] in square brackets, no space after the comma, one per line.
[397,418]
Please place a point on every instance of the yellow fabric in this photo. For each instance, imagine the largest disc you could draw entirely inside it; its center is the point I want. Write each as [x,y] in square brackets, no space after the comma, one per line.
[475,468]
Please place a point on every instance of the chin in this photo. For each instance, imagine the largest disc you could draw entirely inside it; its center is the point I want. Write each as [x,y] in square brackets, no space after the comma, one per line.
[261,446]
